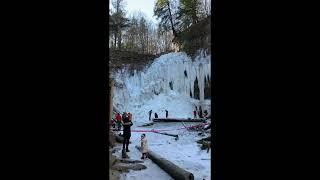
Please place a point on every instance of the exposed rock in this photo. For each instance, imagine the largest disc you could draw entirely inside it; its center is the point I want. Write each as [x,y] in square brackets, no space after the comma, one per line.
[112,159]
[125,166]
[129,161]
[114,175]
[112,139]
[115,149]
[204,139]
[119,139]
[124,154]
[205,145]
[133,60]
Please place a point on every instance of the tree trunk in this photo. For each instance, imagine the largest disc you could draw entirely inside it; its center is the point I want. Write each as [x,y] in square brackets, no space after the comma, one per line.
[115,40]
[119,41]
[172,27]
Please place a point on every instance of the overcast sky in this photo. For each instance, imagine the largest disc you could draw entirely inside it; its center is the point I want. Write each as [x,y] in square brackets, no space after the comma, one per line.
[145,6]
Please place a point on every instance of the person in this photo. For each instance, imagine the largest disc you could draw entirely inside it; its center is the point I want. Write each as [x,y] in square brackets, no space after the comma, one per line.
[113,123]
[144,146]
[126,123]
[155,115]
[205,113]
[118,121]
[150,112]
[195,114]
[166,113]
[200,112]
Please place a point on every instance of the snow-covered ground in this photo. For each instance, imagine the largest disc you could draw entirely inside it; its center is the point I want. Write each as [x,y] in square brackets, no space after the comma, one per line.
[150,90]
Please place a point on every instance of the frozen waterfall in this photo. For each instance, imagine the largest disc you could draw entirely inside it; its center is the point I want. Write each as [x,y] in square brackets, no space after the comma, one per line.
[172,74]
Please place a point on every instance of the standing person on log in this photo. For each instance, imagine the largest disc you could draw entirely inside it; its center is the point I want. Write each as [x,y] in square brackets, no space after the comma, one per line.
[155,115]
[200,112]
[144,146]
[194,114]
[150,112]
[126,123]
[166,113]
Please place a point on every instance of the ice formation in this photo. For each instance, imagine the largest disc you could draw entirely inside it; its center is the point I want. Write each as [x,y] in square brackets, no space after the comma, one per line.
[170,76]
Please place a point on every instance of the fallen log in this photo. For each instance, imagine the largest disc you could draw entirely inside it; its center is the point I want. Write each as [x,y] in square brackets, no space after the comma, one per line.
[177,120]
[173,170]
[148,124]
[174,135]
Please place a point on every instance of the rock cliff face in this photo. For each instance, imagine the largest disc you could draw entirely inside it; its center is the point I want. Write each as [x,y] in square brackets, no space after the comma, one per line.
[131,60]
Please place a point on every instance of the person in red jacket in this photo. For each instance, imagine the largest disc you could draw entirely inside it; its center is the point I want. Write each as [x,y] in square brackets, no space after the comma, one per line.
[118,119]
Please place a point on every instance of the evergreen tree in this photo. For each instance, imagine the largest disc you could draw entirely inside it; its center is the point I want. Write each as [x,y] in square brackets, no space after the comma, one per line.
[119,22]
[163,10]
[189,12]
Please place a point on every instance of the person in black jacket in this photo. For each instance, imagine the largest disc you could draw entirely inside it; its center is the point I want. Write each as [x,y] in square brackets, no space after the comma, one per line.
[200,112]
[166,113]
[150,112]
[126,123]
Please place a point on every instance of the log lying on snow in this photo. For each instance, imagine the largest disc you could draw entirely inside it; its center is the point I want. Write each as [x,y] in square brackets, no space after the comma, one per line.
[174,135]
[177,120]
[173,170]
[147,124]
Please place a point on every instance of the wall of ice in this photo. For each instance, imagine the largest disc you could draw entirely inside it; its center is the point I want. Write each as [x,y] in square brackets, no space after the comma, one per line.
[170,73]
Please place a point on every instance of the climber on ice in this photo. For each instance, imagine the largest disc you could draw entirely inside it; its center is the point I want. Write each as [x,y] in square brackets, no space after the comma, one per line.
[150,112]
[200,112]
